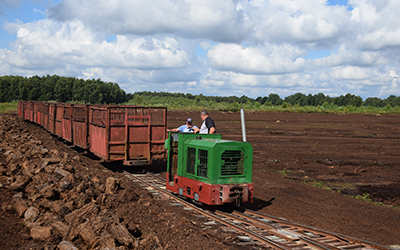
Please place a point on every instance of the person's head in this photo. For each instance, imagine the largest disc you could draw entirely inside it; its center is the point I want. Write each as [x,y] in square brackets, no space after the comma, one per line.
[189,121]
[204,114]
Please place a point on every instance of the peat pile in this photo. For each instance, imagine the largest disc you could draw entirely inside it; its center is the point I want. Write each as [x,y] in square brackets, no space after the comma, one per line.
[66,201]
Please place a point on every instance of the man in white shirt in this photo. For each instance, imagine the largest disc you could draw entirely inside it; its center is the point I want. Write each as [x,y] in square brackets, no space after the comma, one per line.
[208,126]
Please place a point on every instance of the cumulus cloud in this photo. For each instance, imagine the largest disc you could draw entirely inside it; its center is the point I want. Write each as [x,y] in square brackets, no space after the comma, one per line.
[216,20]
[311,23]
[73,43]
[268,59]
[377,22]
[227,47]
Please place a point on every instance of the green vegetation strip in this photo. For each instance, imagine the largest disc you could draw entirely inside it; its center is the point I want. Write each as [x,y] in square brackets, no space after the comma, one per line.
[319,184]
[8,107]
[95,91]
[363,197]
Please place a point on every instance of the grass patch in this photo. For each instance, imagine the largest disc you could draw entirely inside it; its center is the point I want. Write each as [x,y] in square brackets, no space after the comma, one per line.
[363,197]
[284,172]
[7,107]
[318,184]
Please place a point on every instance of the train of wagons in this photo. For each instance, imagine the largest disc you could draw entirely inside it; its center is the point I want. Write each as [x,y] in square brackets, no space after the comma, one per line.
[202,167]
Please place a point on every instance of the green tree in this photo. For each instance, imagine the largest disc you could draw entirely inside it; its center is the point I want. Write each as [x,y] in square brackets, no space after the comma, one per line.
[63,89]
[298,98]
[375,102]
[4,87]
[14,91]
[23,90]
[138,100]
[34,93]
[393,100]
[275,99]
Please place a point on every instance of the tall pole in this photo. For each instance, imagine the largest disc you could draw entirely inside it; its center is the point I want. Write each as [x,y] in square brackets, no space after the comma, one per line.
[243,125]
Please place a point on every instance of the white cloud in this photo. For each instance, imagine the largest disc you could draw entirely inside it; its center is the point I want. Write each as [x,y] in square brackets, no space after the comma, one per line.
[349,73]
[354,57]
[73,43]
[300,21]
[253,47]
[91,73]
[268,59]
[377,23]
[217,20]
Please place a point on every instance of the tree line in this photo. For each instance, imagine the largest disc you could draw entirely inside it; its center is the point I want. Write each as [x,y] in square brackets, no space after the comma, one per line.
[60,89]
[71,89]
[272,99]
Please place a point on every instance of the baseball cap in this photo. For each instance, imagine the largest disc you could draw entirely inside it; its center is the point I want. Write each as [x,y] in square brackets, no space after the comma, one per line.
[189,120]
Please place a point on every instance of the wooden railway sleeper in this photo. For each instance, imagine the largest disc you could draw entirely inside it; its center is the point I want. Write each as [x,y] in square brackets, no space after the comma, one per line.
[319,244]
[260,238]
[279,231]
[286,223]
[271,229]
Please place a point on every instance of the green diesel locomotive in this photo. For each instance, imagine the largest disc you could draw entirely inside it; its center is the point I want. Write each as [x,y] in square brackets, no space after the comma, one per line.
[208,169]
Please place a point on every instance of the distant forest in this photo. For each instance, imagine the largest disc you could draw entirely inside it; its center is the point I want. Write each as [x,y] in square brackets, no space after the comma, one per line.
[60,89]
[70,89]
[297,99]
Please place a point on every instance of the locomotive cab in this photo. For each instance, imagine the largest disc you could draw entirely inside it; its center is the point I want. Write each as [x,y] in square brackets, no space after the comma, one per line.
[208,169]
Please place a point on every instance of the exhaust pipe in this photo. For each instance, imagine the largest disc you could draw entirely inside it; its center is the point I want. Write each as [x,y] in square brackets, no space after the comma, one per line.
[243,125]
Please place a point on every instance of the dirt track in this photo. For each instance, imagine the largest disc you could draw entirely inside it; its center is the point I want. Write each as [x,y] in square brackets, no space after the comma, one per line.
[355,154]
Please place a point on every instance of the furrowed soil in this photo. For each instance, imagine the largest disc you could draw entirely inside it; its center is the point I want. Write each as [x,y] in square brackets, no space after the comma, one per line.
[306,167]
[350,154]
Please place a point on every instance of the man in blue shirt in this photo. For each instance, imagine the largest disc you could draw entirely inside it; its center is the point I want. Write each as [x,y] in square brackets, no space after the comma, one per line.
[187,128]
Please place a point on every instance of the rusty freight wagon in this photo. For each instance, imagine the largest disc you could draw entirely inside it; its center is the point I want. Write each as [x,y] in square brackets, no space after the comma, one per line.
[52,117]
[80,125]
[35,112]
[66,122]
[45,118]
[133,134]
[30,111]
[21,109]
[58,119]
[130,133]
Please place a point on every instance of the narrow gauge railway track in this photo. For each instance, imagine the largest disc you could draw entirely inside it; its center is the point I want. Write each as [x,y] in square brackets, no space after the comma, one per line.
[261,229]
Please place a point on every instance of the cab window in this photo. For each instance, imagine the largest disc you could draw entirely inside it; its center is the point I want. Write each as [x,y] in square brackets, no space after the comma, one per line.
[197,161]
[202,167]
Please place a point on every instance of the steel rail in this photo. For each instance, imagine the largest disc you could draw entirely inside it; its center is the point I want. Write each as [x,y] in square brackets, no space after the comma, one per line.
[249,217]
[339,236]
[271,229]
[296,239]
[260,238]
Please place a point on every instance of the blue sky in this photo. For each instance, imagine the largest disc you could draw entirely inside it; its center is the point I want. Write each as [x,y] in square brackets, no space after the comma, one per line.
[223,48]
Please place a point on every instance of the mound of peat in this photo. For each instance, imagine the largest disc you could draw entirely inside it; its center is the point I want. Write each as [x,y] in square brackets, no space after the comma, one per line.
[54,198]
